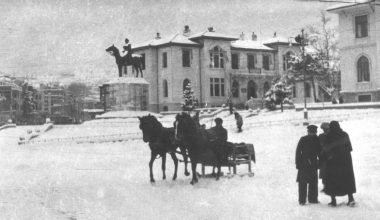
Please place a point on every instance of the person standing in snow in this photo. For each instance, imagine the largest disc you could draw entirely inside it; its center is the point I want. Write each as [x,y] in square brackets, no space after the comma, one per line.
[323,159]
[307,153]
[340,178]
[239,121]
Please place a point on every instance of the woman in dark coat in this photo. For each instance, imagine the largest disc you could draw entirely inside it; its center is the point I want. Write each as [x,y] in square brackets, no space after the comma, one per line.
[340,179]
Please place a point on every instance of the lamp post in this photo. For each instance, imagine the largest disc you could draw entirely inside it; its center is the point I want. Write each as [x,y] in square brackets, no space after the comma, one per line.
[301,40]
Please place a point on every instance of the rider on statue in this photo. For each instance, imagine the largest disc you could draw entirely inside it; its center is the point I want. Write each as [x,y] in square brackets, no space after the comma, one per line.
[127,49]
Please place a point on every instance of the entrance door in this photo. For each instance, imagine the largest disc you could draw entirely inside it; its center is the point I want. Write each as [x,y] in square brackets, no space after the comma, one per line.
[251,90]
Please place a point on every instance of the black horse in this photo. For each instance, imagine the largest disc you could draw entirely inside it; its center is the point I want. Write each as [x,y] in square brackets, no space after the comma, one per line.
[199,143]
[161,141]
[135,60]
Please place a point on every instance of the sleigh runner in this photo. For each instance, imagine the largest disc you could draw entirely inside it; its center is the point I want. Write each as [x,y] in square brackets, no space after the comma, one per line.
[241,153]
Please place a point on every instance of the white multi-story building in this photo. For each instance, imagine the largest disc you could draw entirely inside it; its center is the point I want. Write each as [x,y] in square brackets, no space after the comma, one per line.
[359,38]
[217,65]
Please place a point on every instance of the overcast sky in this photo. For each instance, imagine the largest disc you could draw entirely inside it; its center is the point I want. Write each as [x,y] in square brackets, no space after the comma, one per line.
[66,37]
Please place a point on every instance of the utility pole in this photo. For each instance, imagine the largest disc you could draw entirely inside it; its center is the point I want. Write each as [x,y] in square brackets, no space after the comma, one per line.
[301,39]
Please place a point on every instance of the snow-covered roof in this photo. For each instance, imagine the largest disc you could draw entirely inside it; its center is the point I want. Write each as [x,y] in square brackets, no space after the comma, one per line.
[212,35]
[173,39]
[127,80]
[338,7]
[250,45]
[280,40]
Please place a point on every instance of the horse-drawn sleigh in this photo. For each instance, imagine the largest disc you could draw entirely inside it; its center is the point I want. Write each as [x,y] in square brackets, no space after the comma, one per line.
[194,142]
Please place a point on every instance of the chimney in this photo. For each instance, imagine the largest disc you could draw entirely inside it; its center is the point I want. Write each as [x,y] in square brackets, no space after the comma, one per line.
[254,36]
[158,36]
[210,29]
[187,31]
[242,36]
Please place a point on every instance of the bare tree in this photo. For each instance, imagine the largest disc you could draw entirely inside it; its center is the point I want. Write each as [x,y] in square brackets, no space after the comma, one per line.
[322,38]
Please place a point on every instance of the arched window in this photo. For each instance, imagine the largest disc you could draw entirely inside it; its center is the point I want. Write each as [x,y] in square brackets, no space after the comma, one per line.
[266,87]
[251,90]
[185,83]
[165,87]
[307,90]
[363,69]
[235,89]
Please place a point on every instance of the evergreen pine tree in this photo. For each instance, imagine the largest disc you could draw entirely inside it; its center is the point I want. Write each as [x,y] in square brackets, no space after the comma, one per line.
[278,94]
[190,101]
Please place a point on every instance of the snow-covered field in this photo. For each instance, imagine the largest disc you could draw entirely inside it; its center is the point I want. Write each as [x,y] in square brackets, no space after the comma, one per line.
[111,180]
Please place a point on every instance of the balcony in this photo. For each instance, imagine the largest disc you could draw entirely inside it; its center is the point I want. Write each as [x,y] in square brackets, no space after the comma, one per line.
[363,86]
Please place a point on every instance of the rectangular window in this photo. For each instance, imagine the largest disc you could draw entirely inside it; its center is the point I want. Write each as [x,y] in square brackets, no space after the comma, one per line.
[217,58]
[222,87]
[364,98]
[186,58]
[217,87]
[266,62]
[143,60]
[361,26]
[211,87]
[235,61]
[164,59]
[251,61]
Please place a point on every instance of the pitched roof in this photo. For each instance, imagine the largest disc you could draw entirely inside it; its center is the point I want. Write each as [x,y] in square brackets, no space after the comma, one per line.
[280,40]
[347,5]
[250,45]
[212,35]
[173,39]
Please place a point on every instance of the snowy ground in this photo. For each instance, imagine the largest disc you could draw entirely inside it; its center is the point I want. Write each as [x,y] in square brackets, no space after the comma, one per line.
[111,180]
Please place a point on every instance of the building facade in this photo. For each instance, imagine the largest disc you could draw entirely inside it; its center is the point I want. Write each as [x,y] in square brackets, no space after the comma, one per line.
[219,67]
[359,40]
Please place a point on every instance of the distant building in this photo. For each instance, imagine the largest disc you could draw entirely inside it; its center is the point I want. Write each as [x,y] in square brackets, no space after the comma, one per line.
[10,100]
[359,41]
[217,65]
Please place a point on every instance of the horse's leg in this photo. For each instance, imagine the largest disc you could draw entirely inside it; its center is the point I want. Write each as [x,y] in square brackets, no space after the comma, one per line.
[163,165]
[120,67]
[136,70]
[175,159]
[152,158]
[194,160]
[183,152]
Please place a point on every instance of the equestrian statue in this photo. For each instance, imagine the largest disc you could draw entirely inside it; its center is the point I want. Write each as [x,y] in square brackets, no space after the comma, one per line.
[128,59]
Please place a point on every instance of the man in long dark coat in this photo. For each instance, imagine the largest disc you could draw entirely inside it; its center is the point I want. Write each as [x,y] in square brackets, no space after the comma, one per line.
[307,153]
[340,179]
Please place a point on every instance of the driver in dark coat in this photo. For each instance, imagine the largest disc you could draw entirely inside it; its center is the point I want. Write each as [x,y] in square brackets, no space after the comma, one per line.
[307,154]
[219,131]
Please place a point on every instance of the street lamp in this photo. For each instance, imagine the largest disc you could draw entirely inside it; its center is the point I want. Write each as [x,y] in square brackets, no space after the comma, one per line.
[302,41]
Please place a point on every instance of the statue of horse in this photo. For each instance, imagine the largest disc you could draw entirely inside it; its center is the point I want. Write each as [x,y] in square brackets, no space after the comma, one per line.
[135,60]
[200,143]
[161,141]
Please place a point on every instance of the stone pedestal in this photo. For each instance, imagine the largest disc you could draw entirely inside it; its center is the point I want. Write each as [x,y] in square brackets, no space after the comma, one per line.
[125,93]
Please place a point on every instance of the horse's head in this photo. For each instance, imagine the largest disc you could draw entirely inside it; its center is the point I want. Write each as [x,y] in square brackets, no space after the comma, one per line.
[184,125]
[150,127]
[112,50]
